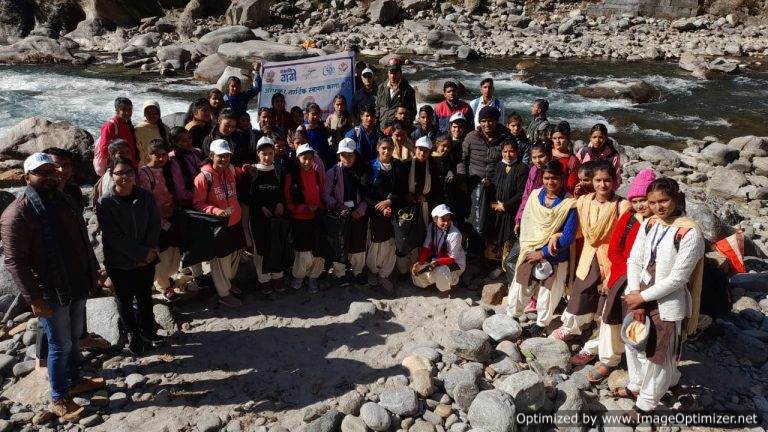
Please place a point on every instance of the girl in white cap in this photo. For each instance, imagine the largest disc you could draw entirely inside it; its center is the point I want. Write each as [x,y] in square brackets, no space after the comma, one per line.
[343,193]
[442,259]
[150,129]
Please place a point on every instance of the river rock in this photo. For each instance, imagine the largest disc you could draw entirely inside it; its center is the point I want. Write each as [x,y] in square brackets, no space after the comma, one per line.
[713,228]
[117,400]
[121,13]
[502,327]
[210,42]
[36,49]
[472,318]
[210,69]
[203,8]
[432,90]
[546,355]
[251,13]
[492,411]
[177,55]
[350,402]
[417,5]
[328,422]
[23,368]
[384,12]
[243,54]
[637,91]
[660,156]
[209,423]
[519,21]
[103,319]
[459,375]
[416,363]
[17,19]
[719,153]
[164,318]
[375,416]
[618,379]
[399,400]
[421,383]
[527,390]
[470,345]
[351,423]
[427,352]
[443,39]
[504,366]
[726,182]
[7,362]
[359,310]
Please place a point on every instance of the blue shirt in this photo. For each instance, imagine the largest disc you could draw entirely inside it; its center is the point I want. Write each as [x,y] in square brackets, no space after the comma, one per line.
[239,103]
[318,139]
[569,231]
[366,144]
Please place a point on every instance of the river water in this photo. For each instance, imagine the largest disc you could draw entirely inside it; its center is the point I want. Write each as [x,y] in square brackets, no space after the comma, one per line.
[689,108]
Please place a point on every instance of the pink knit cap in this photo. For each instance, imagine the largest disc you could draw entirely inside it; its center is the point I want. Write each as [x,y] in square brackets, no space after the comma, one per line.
[640,184]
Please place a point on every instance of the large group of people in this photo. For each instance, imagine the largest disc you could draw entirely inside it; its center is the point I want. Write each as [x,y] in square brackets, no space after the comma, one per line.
[376,188]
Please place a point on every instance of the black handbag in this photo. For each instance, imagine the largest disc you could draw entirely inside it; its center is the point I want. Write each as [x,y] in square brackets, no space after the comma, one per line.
[478,214]
[409,228]
[333,230]
[199,235]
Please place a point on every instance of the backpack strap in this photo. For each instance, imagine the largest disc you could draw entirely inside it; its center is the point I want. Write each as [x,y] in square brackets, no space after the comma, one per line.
[358,133]
[681,232]
[648,226]
[152,181]
[209,182]
[627,229]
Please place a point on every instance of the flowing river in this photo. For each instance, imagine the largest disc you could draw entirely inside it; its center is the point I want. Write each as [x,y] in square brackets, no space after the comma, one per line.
[690,108]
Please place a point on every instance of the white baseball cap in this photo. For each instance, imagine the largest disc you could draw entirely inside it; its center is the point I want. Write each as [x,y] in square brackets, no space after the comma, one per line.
[220,147]
[456,117]
[264,141]
[347,145]
[441,211]
[150,103]
[35,161]
[367,71]
[543,270]
[424,142]
[304,148]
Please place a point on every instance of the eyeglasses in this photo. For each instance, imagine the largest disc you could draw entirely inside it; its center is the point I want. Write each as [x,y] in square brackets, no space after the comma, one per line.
[123,174]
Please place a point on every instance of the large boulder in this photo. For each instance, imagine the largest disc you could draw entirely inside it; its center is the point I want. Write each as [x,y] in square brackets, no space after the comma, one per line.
[132,53]
[712,227]
[88,30]
[546,355]
[384,12]
[417,5]
[502,327]
[432,91]
[725,183]
[58,15]
[638,91]
[250,13]
[210,42]
[202,8]
[210,69]
[492,411]
[104,319]
[243,74]
[527,389]
[719,154]
[120,12]
[37,134]
[443,39]
[36,49]
[177,55]
[243,54]
[17,19]
[174,119]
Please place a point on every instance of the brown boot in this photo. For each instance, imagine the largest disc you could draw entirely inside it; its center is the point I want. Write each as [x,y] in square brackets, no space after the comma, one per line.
[67,409]
[86,385]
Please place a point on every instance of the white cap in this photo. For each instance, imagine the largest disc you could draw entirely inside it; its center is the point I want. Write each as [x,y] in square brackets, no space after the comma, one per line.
[150,103]
[424,142]
[304,148]
[263,141]
[35,161]
[367,71]
[220,147]
[347,145]
[441,211]
[456,117]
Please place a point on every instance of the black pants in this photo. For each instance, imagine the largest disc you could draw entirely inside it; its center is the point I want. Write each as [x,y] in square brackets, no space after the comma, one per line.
[130,285]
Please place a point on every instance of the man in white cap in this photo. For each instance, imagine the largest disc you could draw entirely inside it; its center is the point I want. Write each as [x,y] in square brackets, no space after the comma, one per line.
[49,256]
[365,95]
[457,131]
[442,259]
[343,193]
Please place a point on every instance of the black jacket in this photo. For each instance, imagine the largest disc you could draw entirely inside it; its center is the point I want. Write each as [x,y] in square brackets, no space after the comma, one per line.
[479,156]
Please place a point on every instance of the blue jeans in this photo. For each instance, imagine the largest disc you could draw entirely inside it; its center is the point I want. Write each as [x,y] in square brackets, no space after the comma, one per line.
[64,329]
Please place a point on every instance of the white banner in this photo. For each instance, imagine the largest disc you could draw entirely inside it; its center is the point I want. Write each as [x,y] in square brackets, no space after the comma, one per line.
[313,79]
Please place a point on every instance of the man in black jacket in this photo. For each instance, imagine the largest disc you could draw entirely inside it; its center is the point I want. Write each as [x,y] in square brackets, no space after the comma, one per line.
[365,95]
[49,257]
[395,92]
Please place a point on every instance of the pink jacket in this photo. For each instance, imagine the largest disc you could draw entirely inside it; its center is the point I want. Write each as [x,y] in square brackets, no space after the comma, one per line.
[586,154]
[533,182]
[222,193]
[334,196]
[112,129]
[153,180]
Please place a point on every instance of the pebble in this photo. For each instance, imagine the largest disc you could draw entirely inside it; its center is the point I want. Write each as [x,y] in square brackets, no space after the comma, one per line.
[421,382]
[375,416]
[118,400]
[428,353]
[443,410]
[502,327]
[90,420]
[399,400]
[208,423]
[22,417]
[422,426]
[100,398]
[350,402]
[432,417]
[351,423]
[135,380]
[362,309]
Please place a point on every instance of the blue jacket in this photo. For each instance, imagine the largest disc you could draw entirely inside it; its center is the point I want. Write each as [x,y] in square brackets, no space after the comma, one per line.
[569,232]
[239,103]
[366,144]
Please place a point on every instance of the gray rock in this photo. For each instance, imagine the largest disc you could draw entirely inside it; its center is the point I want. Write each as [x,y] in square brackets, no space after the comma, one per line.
[24,368]
[132,53]
[443,39]
[566,28]
[91,420]
[351,423]
[518,21]
[210,42]
[472,318]
[660,156]
[505,366]
[527,390]
[747,347]
[20,418]
[466,53]
[118,400]
[459,375]
[7,362]
[421,382]
[104,320]
[510,349]
[177,55]
[30,336]
[725,183]
[429,353]
[361,309]
[209,423]
[493,411]
[470,345]
[375,416]
[464,394]
[422,426]
[350,402]
[713,228]
[399,400]
[719,154]
[417,5]
[36,49]
[210,69]
[164,318]
[243,54]
[248,12]
[384,12]
[135,380]
[502,327]
[5,426]
[638,91]
[328,422]
[546,355]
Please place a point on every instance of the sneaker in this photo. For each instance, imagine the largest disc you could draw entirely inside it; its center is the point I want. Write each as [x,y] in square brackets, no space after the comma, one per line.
[560,334]
[531,307]
[67,409]
[312,285]
[361,279]
[296,283]
[136,346]
[266,288]
[582,357]
[278,285]
[86,385]
[230,301]
[235,290]
[386,285]
[341,282]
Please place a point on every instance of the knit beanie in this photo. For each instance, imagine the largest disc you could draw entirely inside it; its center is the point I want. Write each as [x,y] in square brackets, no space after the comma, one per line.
[489,112]
[640,184]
